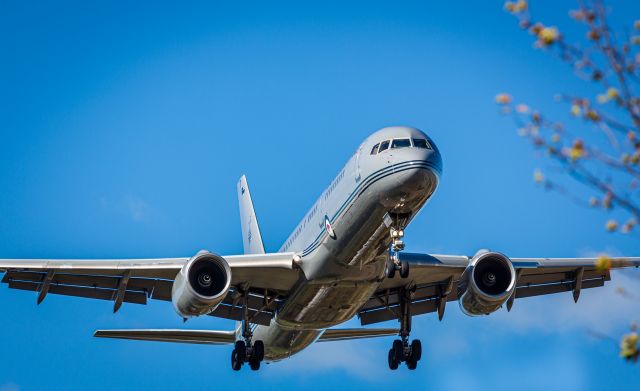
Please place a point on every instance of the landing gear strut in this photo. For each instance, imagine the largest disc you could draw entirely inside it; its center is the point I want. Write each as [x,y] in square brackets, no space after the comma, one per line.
[244,350]
[402,350]
[393,260]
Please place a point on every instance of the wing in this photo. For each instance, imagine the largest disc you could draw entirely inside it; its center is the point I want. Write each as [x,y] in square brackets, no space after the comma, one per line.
[433,278]
[269,278]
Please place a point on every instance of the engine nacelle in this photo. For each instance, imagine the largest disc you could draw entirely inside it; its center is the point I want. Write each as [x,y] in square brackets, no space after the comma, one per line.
[201,285]
[486,284]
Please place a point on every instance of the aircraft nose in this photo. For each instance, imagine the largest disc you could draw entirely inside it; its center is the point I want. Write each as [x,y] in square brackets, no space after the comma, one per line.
[429,159]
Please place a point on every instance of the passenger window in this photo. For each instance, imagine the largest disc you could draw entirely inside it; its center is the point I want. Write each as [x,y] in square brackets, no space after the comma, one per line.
[383,146]
[374,150]
[421,143]
[401,143]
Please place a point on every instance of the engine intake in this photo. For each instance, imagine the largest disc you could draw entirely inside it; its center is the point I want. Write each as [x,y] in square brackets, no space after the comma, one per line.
[486,284]
[201,285]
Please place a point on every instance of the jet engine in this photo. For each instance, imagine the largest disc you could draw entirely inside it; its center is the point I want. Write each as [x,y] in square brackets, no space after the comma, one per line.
[201,285]
[486,284]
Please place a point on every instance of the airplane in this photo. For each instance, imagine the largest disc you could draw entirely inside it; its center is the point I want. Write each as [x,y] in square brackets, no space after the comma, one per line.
[345,259]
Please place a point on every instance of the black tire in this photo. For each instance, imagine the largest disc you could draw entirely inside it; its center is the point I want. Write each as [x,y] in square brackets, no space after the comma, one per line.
[416,350]
[235,363]
[412,364]
[393,364]
[258,350]
[241,351]
[398,350]
[404,269]
[254,364]
[390,269]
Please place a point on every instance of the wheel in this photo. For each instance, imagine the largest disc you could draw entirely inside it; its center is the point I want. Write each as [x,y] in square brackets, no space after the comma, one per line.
[390,269]
[241,351]
[254,364]
[412,364]
[398,351]
[393,364]
[258,350]
[236,364]
[416,350]
[404,269]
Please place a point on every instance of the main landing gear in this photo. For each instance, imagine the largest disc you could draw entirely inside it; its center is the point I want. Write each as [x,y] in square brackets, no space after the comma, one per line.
[244,350]
[401,350]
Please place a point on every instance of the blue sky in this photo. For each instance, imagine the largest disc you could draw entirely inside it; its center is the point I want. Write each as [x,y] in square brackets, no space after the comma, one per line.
[124,128]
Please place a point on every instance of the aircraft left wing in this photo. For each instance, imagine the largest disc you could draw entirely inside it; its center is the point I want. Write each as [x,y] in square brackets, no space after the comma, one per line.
[433,281]
[268,277]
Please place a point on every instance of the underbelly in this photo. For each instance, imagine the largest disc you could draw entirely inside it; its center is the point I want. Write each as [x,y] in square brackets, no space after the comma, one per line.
[322,305]
[312,308]
[281,343]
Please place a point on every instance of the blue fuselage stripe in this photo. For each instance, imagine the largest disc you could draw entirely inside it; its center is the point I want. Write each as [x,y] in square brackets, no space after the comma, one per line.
[364,185]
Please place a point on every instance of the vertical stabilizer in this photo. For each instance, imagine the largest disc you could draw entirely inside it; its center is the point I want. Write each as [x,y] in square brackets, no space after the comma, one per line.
[251,238]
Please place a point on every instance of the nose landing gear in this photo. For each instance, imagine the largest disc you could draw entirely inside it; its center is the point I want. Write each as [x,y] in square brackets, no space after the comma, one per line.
[393,261]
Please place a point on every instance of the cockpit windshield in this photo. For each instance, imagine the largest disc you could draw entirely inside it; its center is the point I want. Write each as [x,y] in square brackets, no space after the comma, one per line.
[400,143]
[421,143]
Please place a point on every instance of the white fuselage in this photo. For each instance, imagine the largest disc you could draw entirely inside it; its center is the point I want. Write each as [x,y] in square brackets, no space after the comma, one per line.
[344,238]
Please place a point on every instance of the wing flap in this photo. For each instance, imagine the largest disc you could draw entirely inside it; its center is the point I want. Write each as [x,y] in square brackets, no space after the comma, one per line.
[90,293]
[565,286]
[209,337]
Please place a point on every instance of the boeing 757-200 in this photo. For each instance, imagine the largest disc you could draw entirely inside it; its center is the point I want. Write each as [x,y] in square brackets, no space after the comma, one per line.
[344,259]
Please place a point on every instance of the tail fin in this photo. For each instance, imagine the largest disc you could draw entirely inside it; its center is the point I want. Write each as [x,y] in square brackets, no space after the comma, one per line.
[251,238]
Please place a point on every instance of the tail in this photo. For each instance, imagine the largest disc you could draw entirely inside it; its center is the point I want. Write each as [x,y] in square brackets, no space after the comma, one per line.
[251,238]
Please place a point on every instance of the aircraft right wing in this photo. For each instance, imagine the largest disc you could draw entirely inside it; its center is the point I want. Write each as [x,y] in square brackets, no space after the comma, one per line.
[268,278]
[433,280]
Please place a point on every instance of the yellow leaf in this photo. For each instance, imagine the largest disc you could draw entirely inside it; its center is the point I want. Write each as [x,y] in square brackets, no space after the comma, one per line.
[625,158]
[538,177]
[602,98]
[611,226]
[549,35]
[593,115]
[603,263]
[575,110]
[503,99]
[612,93]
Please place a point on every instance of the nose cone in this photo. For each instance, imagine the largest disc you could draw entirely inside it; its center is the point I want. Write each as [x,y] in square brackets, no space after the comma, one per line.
[435,159]
[403,144]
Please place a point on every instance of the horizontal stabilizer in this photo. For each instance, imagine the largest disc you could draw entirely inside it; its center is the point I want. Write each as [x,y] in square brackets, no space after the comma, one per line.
[346,334]
[209,337]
